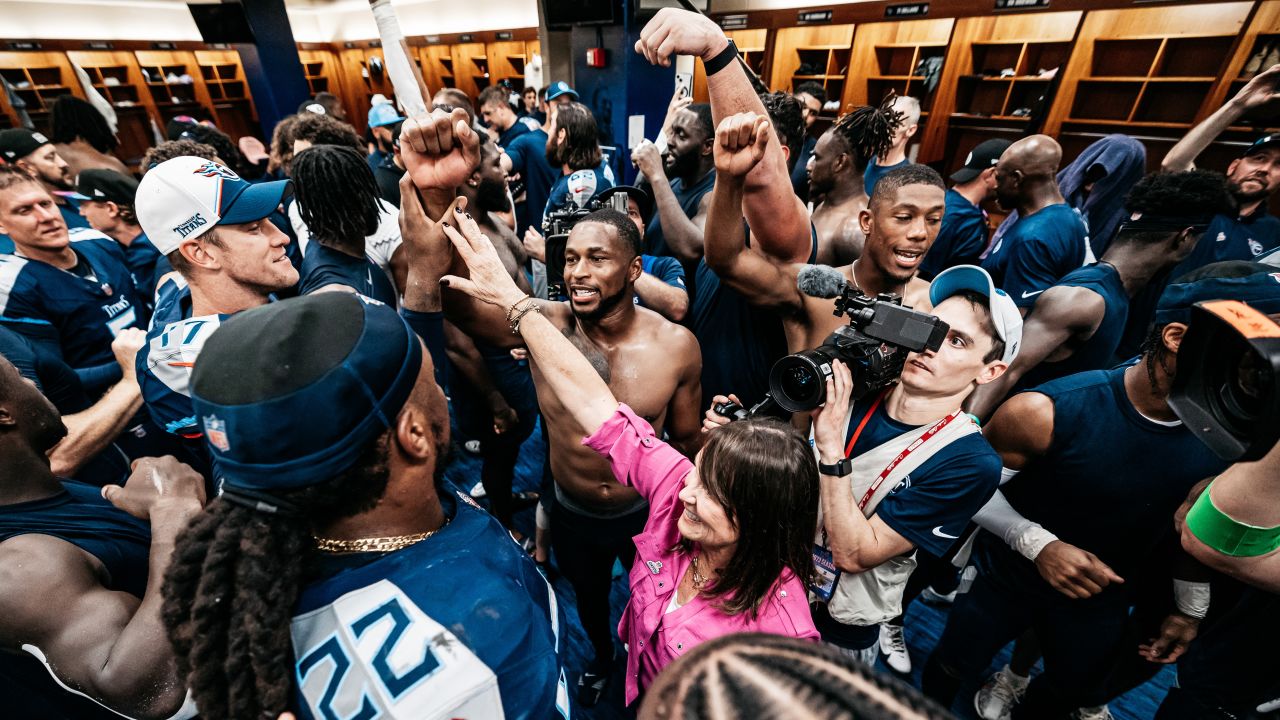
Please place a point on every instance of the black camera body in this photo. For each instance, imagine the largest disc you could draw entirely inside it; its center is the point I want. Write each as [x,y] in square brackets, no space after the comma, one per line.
[555,228]
[874,345]
[1227,388]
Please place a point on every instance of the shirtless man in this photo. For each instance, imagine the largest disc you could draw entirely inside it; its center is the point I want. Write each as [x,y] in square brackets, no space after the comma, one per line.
[651,364]
[835,179]
[899,223]
[496,402]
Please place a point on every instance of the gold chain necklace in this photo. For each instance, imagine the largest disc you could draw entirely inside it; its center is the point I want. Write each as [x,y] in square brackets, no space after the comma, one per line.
[375,544]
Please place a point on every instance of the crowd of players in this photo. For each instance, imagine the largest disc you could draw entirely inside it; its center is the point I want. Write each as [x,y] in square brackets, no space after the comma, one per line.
[228,393]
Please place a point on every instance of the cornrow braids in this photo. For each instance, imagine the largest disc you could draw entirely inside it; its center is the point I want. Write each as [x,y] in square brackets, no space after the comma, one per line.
[232,584]
[867,131]
[337,196]
[755,675]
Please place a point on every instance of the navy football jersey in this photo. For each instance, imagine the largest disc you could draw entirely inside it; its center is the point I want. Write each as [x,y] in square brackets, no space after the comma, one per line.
[79,316]
[323,266]
[1098,352]
[1038,251]
[459,625]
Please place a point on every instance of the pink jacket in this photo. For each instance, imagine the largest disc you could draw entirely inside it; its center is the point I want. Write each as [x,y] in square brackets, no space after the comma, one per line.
[657,471]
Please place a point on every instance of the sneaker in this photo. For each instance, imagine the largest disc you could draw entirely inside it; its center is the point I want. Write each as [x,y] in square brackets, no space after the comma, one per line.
[472,446]
[894,647]
[477,491]
[1096,713]
[1003,690]
[933,597]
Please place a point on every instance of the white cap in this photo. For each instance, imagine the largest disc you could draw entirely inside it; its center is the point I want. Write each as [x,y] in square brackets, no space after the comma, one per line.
[181,199]
[1004,313]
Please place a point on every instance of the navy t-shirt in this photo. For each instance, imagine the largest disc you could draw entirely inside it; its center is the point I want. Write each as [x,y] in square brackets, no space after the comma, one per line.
[668,270]
[1037,251]
[577,187]
[689,198]
[1098,352]
[933,504]
[875,171]
[1111,479]
[961,239]
[528,153]
[516,130]
[323,266]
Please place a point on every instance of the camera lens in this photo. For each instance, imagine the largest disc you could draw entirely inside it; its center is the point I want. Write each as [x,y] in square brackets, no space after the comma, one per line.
[798,382]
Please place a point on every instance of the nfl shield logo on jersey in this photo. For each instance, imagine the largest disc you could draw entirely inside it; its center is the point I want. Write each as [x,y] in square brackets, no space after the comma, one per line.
[215,429]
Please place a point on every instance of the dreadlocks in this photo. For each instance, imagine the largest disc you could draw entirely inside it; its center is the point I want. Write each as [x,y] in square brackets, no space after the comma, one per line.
[754,675]
[75,118]
[235,576]
[337,196]
[171,149]
[867,131]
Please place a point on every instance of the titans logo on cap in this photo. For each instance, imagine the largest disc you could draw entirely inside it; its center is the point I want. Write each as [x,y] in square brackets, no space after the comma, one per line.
[213,169]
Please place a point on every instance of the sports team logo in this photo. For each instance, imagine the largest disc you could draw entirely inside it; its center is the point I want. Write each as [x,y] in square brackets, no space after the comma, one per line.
[212,169]
[215,429]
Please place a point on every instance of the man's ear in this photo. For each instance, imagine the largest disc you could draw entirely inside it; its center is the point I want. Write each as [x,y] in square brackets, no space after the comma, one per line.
[1171,336]
[709,145]
[636,269]
[6,418]
[413,435]
[199,255]
[864,220]
[115,209]
[993,370]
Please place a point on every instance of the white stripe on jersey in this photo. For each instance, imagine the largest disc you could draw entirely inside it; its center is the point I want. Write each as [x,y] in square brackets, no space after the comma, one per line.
[10,267]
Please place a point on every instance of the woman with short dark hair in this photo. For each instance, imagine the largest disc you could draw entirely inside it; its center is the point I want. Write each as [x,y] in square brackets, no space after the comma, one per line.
[727,544]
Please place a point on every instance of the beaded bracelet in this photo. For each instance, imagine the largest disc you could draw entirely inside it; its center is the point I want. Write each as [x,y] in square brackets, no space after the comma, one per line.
[529,307]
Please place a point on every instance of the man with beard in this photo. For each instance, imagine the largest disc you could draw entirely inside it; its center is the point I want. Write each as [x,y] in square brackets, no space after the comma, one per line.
[1252,178]
[812,96]
[1050,238]
[574,147]
[492,393]
[650,364]
[900,222]
[35,155]
[68,293]
[80,605]
[526,159]
[676,229]
[836,179]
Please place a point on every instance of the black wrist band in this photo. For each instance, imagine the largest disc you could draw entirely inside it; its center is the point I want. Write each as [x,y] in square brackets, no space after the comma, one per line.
[722,60]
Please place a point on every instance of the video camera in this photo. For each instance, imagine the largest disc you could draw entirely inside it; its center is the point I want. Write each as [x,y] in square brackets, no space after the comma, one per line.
[1226,388]
[555,228]
[874,345]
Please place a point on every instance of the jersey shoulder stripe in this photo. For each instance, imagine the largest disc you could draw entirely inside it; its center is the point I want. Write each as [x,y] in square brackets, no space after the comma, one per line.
[11,267]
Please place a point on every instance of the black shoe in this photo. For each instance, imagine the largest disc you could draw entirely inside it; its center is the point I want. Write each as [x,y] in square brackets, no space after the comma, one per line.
[592,685]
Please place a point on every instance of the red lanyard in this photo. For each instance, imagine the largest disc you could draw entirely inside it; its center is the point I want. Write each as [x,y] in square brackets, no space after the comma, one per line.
[933,430]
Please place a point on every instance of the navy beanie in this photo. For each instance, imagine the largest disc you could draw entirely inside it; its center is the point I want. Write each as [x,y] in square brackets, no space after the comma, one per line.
[1253,284]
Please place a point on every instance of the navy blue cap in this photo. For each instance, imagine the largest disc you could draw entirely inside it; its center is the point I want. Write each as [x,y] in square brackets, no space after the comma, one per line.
[1253,284]
[1260,143]
[292,393]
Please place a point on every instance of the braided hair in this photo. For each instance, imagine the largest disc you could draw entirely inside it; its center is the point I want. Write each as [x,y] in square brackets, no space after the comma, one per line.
[231,586]
[337,196]
[867,131]
[75,118]
[755,675]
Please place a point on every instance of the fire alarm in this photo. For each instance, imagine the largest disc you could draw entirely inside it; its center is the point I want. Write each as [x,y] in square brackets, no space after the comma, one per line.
[596,57]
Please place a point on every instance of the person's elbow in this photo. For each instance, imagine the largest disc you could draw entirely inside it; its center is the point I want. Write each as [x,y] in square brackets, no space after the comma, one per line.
[678,308]
[155,699]
[851,562]
[64,463]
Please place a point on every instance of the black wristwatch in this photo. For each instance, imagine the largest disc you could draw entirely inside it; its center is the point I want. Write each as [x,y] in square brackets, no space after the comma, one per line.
[840,469]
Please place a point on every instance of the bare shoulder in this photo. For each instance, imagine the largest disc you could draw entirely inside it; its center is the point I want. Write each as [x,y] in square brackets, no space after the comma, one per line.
[38,573]
[916,295]
[678,338]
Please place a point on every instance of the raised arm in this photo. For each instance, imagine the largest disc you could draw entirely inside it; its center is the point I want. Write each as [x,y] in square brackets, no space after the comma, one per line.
[682,233]
[566,371]
[777,217]
[1059,315]
[101,642]
[741,142]
[1262,89]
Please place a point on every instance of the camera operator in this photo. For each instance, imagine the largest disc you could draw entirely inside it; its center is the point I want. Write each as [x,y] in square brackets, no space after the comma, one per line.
[1099,463]
[905,468]
[649,363]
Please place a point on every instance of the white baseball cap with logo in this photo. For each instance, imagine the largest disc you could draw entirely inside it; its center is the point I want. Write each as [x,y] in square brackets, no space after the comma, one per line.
[1004,313]
[181,199]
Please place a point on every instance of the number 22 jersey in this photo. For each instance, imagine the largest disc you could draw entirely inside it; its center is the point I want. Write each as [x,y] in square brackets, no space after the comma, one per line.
[459,625]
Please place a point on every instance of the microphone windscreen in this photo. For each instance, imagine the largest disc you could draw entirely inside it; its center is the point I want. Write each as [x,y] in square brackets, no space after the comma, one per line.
[820,281]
